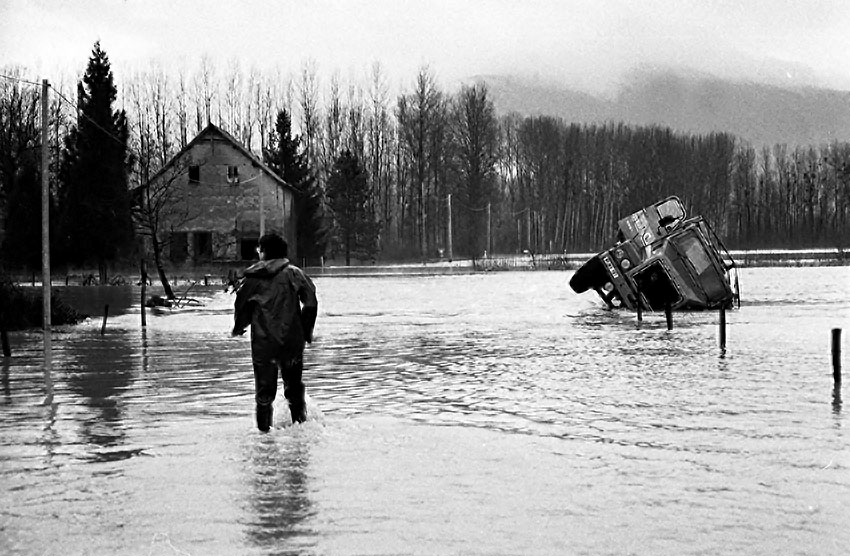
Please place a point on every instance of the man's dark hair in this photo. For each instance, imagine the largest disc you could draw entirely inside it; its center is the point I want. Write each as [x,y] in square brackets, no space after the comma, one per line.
[273,246]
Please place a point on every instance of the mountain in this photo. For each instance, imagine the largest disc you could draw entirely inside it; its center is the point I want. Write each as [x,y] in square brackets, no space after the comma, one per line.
[760,114]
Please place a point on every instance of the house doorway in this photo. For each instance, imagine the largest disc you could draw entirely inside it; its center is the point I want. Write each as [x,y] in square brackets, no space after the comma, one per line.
[179,251]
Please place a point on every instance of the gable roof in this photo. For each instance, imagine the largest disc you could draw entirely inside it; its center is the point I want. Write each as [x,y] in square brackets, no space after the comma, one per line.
[213,130]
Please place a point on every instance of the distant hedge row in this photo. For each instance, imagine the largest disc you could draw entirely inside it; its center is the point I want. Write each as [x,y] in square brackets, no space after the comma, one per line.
[20,309]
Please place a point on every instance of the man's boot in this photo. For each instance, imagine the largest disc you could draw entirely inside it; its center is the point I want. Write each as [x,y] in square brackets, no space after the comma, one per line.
[298,412]
[264,417]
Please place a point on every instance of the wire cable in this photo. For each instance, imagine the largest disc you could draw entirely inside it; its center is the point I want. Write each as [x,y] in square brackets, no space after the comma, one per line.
[13,78]
[89,118]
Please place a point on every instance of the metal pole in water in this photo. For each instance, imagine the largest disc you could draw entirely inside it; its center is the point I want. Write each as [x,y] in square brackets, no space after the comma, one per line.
[45,240]
[668,313]
[836,356]
[723,327]
[105,315]
[638,305]
[144,291]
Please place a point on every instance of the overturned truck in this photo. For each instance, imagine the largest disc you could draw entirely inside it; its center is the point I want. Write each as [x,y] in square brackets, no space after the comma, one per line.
[662,259]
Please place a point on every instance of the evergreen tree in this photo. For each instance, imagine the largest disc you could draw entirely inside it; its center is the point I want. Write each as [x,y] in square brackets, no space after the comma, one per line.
[22,240]
[348,194]
[95,222]
[289,161]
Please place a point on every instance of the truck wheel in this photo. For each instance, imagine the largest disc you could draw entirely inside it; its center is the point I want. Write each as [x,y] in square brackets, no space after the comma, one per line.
[591,274]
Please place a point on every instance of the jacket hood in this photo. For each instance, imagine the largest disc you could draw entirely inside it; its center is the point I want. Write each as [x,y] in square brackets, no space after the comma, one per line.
[266,269]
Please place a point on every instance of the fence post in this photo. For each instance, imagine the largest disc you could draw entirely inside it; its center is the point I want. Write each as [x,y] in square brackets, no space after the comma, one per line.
[105,316]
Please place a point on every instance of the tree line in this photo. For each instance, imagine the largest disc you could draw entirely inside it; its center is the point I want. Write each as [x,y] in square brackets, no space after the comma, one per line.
[379,172]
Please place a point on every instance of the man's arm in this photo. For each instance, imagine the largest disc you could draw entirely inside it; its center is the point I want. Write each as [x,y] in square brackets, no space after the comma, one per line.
[309,305]
[242,308]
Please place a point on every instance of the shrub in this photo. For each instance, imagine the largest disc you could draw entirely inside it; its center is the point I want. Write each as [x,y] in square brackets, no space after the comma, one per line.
[20,309]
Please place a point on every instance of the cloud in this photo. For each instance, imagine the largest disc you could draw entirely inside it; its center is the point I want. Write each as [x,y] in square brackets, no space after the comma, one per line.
[591,44]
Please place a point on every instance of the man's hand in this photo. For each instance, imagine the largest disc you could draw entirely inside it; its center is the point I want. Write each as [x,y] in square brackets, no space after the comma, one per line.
[236,332]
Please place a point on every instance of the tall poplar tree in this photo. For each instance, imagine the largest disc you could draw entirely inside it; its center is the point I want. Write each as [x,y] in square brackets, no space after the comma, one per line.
[95,222]
[348,194]
[288,159]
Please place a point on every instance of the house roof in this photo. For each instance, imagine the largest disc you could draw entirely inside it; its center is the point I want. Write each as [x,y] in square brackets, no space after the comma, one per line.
[213,129]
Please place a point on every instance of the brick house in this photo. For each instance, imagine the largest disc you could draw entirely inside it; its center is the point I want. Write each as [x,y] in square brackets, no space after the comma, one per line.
[222,196]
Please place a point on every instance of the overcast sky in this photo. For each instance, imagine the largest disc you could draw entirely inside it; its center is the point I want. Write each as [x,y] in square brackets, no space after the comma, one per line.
[586,44]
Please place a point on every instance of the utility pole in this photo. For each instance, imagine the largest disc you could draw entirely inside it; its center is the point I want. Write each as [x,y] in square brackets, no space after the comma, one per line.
[489,247]
[449,235]
[518,237]
[45,237]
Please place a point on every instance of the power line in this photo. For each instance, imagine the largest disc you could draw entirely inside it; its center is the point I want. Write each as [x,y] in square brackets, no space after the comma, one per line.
[97,125]
[467,207]
[13,78]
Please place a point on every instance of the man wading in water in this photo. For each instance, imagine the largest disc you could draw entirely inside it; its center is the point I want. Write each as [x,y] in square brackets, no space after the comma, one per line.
[279,302]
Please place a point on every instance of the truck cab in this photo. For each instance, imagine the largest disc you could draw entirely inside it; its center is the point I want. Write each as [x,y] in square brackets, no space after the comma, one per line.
[661,258]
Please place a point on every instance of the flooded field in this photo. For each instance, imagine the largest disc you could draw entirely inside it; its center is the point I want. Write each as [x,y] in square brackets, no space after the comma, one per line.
[493,413]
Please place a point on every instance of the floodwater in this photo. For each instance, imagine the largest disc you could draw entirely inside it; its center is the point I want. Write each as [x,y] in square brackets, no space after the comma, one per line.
[482,414]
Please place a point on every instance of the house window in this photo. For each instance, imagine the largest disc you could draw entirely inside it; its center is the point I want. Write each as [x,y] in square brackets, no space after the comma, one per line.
[202,246]
[233,174]
[194,174]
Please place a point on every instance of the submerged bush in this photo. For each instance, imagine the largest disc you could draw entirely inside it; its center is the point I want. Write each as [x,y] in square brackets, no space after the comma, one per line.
[20,309]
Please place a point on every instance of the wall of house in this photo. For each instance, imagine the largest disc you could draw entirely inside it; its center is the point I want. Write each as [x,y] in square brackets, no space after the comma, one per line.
[224,211]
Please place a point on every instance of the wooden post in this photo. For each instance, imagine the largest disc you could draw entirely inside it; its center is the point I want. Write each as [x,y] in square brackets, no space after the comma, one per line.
[105,316]
[668,313]
[836,356]
[144,273]
[723,327]
[4,337]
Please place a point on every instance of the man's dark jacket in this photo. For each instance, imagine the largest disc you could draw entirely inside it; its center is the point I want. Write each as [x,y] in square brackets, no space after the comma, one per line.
[270,299]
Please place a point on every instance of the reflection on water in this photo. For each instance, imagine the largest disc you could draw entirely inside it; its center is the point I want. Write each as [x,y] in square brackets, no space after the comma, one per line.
[491,414]
[279,496]
[7,388]
[98,369]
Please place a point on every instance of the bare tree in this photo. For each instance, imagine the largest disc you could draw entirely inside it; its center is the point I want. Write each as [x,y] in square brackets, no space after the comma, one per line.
[159,206]
[162,100]
[250,108]
[476,133]
[182,105]
[355,129]
[230,116]
[205,92]
[334,124]
[418,114]
[379,153]
[308,101]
